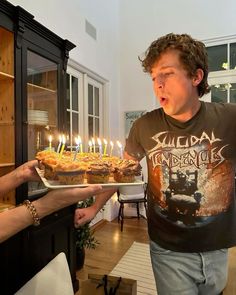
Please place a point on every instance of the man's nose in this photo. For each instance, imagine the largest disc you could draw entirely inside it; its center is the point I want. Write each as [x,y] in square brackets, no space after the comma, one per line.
[159,82]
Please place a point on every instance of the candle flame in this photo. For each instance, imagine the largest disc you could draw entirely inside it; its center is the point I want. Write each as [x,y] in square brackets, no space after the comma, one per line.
[78,140]
[99,141]
[105,141]
[111,143]
[90,143]
[93,140]
[119,144]
[63,139]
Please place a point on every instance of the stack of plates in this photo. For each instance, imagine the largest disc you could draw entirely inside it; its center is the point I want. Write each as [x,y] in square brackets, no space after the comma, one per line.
[37,117]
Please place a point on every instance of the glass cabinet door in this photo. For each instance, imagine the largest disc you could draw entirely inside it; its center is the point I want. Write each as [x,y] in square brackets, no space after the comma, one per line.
[42,100]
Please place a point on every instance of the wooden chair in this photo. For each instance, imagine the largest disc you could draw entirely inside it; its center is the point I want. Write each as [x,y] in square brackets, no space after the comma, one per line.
[131,195]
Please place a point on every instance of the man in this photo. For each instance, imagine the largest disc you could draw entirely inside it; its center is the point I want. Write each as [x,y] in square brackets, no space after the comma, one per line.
[190,148]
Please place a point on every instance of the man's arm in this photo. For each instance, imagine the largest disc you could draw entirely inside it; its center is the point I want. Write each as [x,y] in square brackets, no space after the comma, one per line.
[127,156]
[85,215]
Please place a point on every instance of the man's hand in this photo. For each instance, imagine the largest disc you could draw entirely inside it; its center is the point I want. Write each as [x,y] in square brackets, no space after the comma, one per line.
[84,215]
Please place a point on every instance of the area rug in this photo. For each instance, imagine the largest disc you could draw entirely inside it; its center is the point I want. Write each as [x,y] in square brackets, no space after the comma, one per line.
[136,264]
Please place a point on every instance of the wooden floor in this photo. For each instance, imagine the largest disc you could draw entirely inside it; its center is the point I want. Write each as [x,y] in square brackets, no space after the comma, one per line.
[114,244]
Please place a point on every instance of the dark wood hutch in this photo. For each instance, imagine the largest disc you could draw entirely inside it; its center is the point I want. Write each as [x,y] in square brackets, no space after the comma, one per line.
[33,63]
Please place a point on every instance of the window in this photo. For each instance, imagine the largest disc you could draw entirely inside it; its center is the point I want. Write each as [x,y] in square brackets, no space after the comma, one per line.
[222,70]
[86,105]
[217,57]
[73,106]
[94,109]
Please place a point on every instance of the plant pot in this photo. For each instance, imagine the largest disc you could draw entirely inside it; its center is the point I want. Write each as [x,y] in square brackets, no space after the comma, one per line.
[80,257]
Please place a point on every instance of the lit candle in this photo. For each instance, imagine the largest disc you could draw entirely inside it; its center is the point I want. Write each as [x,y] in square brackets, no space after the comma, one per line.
[121,149]
[59,145]
[63,145]
[90,146]
[50,142]
[81,147]
[105,147]
[100,147]
[78,146]
[111,148]
[93,142]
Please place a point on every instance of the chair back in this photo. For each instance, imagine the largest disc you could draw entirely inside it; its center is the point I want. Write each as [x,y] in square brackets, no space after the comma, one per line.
[132,192]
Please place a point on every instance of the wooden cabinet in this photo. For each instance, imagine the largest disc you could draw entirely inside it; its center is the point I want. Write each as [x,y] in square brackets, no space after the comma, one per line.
[33,63]
[7,109]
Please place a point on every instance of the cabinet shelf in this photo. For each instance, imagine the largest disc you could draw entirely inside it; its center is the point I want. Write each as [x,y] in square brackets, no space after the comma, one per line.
[42,125]
[37,88]
[5,206]
[7,123]
[7,165]
[4,76]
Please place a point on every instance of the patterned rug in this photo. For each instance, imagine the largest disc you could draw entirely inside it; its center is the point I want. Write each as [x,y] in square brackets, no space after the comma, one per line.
[136,264]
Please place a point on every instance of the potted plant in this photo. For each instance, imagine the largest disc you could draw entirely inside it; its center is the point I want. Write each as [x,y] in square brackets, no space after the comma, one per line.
[85,238]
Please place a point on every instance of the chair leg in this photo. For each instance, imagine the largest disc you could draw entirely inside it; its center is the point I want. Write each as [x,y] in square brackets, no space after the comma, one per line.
[122,216]
[138,213]
[119,214]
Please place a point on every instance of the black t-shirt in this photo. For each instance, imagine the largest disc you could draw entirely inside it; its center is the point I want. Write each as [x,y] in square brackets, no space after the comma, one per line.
[191,175]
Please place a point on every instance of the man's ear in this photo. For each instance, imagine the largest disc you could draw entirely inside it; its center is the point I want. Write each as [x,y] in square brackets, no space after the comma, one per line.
[198,77]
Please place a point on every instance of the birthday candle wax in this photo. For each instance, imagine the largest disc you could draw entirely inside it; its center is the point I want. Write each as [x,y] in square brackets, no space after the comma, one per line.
[93,142]
[59,145]
[77,142]
[90,146]
[111,147]
[63,145]
[100,147]
[105,147]
[121,149]
[50,142]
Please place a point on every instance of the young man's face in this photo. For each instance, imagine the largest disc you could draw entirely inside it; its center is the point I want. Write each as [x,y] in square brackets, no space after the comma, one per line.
[175,90]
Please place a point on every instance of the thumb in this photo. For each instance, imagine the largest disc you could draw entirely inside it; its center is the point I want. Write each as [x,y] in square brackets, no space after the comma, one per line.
[81,221]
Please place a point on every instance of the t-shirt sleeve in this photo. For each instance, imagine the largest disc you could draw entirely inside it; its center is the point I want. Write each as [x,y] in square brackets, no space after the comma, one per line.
[133,144]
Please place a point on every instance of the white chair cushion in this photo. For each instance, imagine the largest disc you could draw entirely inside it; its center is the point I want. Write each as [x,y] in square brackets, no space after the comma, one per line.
[53,279]
[131,197]
[131,190]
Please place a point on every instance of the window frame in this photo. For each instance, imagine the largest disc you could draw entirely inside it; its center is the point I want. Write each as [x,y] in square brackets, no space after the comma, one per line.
[223,76]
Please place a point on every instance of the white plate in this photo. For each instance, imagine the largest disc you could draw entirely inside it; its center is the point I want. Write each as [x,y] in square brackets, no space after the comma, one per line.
[54,184]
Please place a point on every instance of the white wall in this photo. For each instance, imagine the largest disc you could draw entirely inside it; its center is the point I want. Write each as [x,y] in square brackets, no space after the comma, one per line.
[67,19]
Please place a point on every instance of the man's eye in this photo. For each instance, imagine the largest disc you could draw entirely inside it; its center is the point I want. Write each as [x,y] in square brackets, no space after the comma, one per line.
[168,74]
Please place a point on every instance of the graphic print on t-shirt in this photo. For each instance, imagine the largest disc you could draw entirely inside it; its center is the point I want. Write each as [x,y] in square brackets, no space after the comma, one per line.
[189,177]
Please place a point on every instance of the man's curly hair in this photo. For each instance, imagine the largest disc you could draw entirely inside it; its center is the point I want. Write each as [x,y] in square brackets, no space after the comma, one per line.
[192,53]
